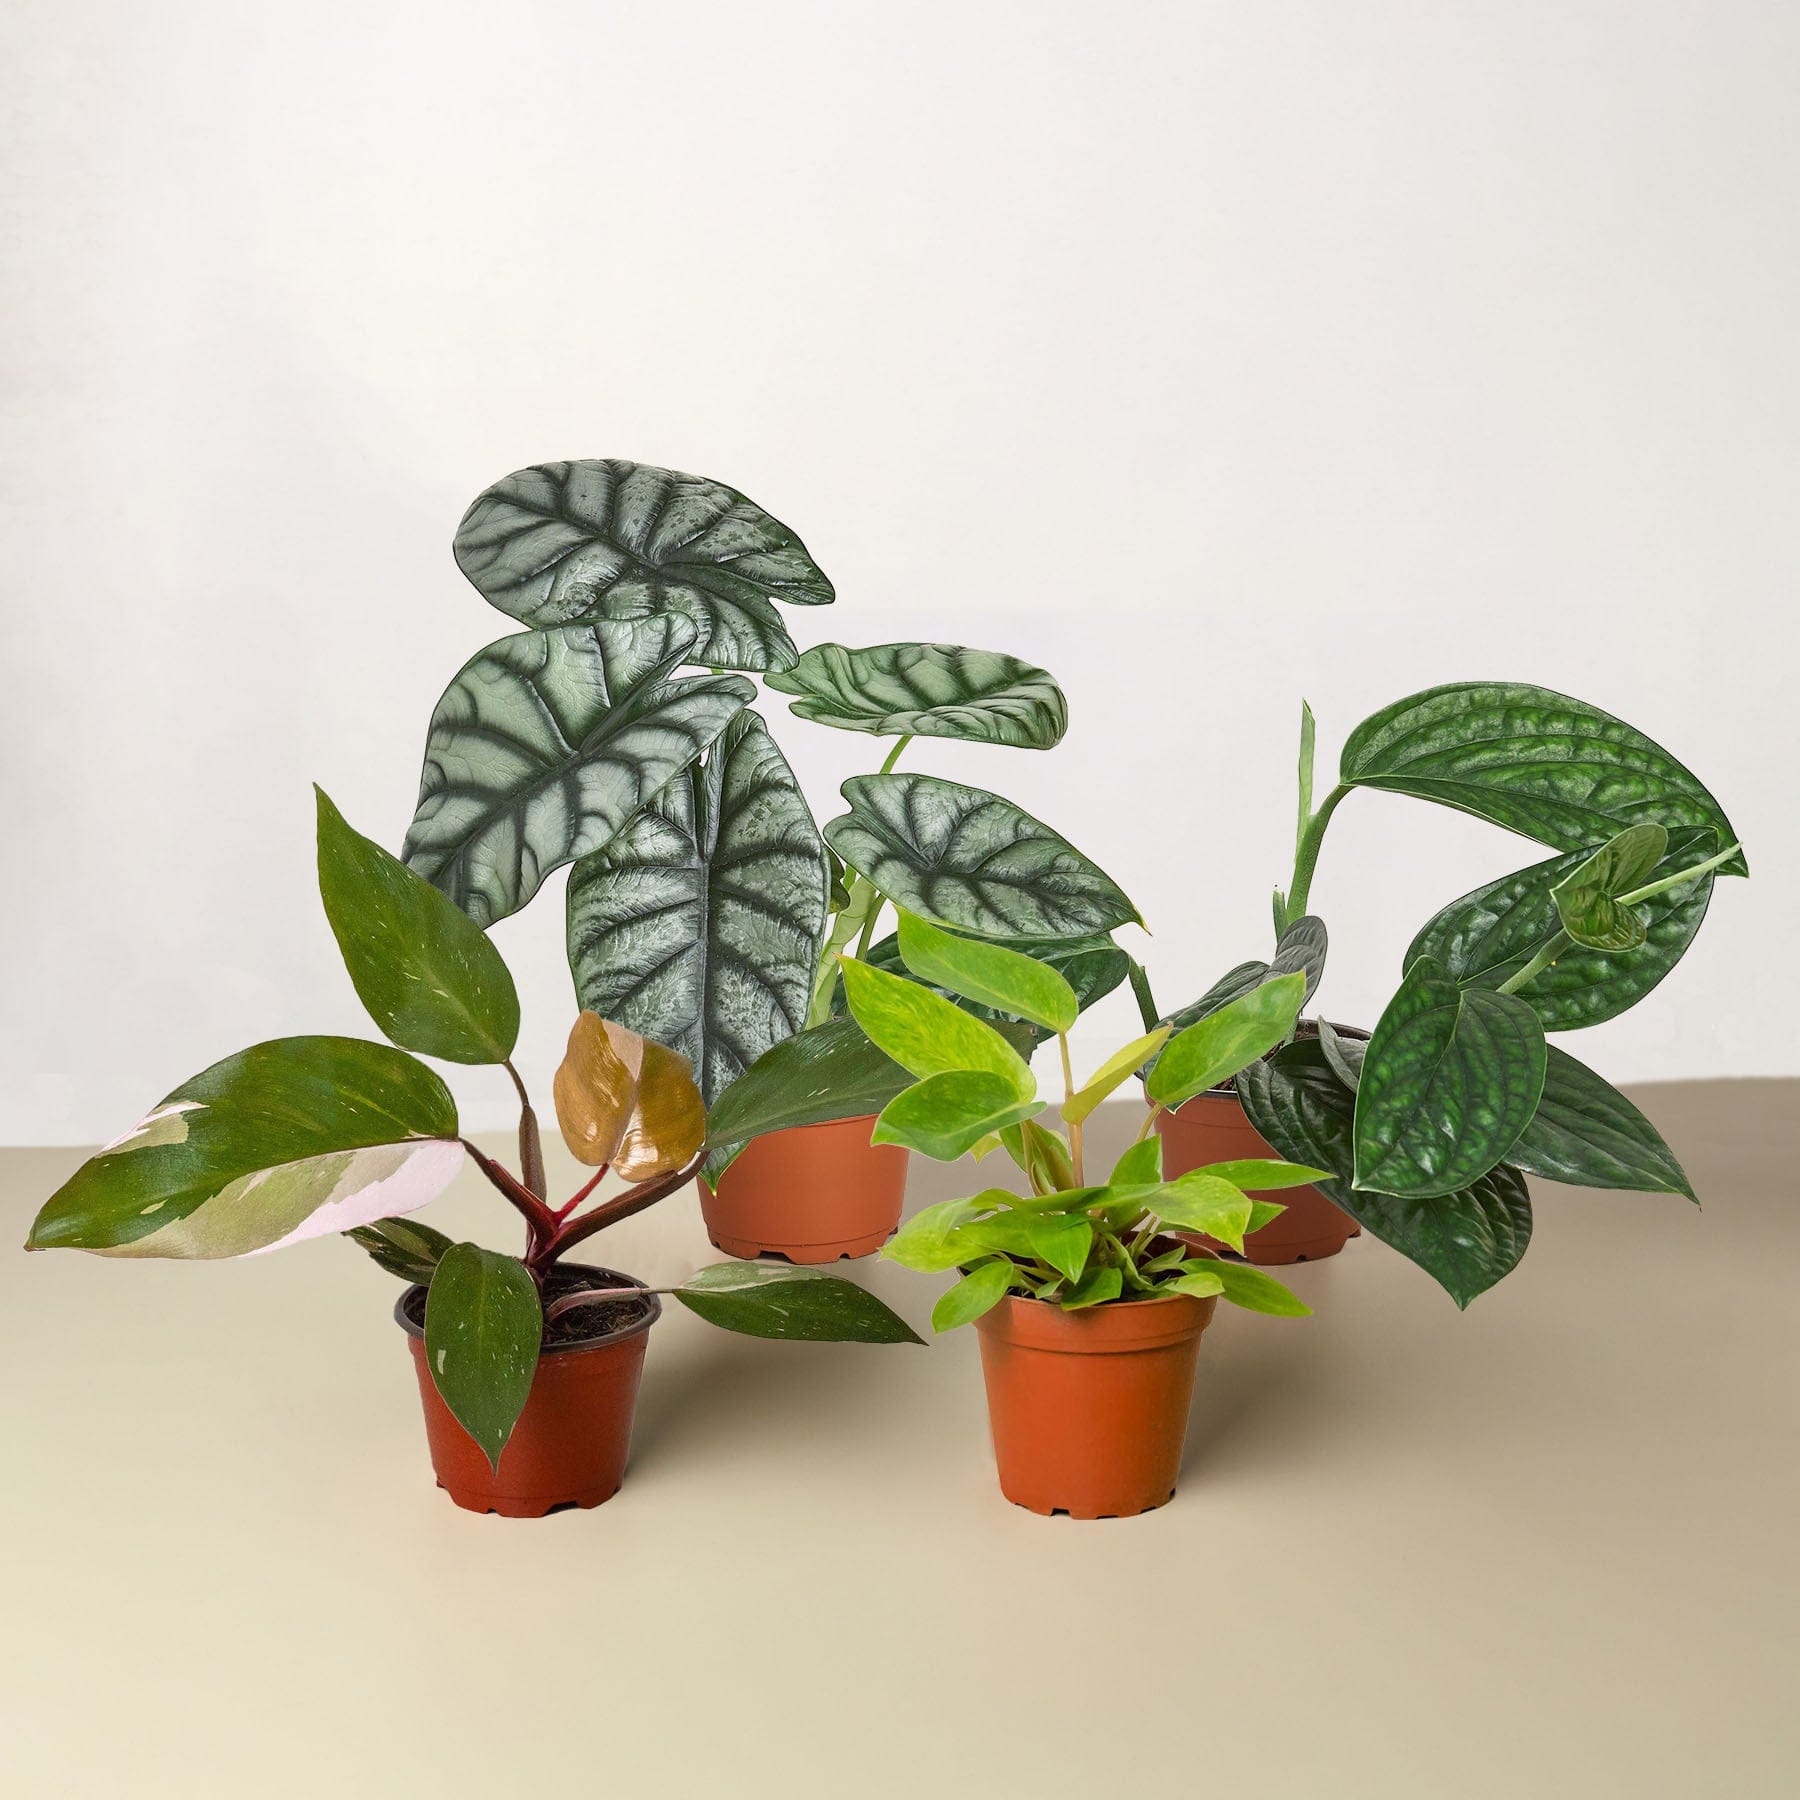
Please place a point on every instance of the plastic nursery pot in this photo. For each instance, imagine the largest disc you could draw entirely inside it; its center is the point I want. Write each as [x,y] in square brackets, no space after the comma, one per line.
[1089,1409]
[570,1444]
[812,1193]
[1212,1128]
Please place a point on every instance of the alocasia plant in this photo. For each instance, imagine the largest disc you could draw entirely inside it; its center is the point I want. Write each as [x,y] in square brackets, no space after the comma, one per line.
[306,1136]
[1430,1127]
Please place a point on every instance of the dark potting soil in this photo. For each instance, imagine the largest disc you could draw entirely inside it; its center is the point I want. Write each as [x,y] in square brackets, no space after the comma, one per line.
[581,1324]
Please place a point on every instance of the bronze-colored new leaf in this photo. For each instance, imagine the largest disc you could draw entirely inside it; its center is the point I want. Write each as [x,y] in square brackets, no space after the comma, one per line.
[668,1124]
[596,1088]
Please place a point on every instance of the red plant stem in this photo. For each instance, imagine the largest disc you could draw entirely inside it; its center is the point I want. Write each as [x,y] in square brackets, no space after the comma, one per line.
[565,1235]
[587,1187]
[540,1221]
[531,1142]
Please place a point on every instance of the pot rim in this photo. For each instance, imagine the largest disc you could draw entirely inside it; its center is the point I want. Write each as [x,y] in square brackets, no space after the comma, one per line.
[815,1125]
[616,1336]
[1113,1327]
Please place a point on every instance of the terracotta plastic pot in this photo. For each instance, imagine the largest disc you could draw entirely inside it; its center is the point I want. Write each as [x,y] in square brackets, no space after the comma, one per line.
[1089,1409]
[571,1442]
[1212,1128]
[813,1194]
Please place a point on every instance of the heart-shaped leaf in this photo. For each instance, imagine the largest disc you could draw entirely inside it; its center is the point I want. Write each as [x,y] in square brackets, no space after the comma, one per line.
[1201,1202]
[1587,1133]
[945,1115]
[1299,951]
[1539,763]
[1490,934]
[980,1291]
[1450,1079]
[484,1325]
[1213,1049]
[928,1035]
[831,1071]
[928,690]
[1465,1241]
[1006,981]
[568,542]
[770,1300]
[935,1238]
[968,859]
[547,745]
[699,925]
[284,1141]
[628,1101]
[1588,898]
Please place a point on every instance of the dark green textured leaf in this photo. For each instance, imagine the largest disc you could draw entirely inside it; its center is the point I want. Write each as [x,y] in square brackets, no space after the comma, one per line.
[699,925]
[1450,1079]
[545,747]
[403,1247]
[928,690]
[1539,763]
[1490,934]
[484,1326]
[967,859]
[770,1300]
[421,966]
[1465,1241]
[568,542]
[1588,1134]
[829,1072]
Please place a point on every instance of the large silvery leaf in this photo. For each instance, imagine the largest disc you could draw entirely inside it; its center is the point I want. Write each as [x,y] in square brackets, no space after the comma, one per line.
[288,1140]
[928,690]
[965,858]
[1539,763]
[547,745]
[568,542]
[1450,1079]
[1466,1241]
[1490,934]
[699,926]
[1588,1134]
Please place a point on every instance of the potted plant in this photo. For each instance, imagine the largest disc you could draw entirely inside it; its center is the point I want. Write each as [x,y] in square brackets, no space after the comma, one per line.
[704,911]
[527,1364]
[1429,1124]
[1089,1310]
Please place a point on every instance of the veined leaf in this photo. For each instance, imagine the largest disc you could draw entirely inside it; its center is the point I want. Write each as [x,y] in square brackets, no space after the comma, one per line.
[1299,951]
[980,1291]
[1252,1289]
[927,1035]
[1539,763]
[1199,1201]
[962,857]
[781,1300]
[484,1326]
[935,1238]
[1139,1165]
[565,543]
[928,690]
[546,746]
[628,1101]
[1214,1048]
[1257,1175]
[699,925]
[1095,1288]
[946,1115]
[1588,898]
[287,1140]
[991,974]
[1450,1079]
[1113,1073]
[1587,1133]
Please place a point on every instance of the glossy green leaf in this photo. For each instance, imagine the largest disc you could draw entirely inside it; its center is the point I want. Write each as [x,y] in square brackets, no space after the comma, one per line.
[1539,763]
[402,1247]
[1587,899]
[928,690]
[1257,1175]
[1201,1280]
[962,857]
[1465,1241]
[1490,934]
[935,1238]
[1112,1074]
[1300,950]
[1139,1164]
[547,745]
[1249,1287]
[1062,1240]
[287,1140]
[1098,1286]
[425,971]
[926,1034]
[946,1115]
[1201,1202]
[980,1291]
[568,542]
[700,924]
[1213,1049]
[484,1327]
[1047,1159]
[782,1300]
[990,974]
[1345,1054]
[1587,1133]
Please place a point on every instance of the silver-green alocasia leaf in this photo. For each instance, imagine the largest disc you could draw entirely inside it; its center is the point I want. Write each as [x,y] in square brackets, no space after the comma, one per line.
[699,926]
[567,542]
[484,1325]
[548,744]
[1588,1134]
[1450,1079]
[285,1141]
[1466,1241]
[1490,934]
[928,690]
[1539,763]
[965,858]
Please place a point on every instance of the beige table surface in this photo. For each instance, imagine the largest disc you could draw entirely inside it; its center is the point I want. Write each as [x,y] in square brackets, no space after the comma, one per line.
[1548,1547]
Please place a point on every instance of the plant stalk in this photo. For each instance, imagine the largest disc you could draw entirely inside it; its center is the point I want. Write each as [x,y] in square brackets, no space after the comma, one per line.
[1671,881]
[1546,954]
[1306,857]
[1140,987]
[531,1142]
[1062,1041]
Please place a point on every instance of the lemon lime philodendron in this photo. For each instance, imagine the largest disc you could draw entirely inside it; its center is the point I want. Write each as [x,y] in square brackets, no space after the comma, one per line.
[1079,1237]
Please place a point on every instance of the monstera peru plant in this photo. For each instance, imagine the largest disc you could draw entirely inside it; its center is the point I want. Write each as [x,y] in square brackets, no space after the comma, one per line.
[1430,1123]
[527,1363]
[705,910]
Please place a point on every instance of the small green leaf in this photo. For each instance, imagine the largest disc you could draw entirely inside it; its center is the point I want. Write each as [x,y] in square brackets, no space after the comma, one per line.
[1047,1159]
[1344,1054]
[934,1238]
[1255,1175]
[1095,1288]
[945,1115]
[1248,1287]
[782,1300]
[1202,1283]
[1060,1239]
[1299,950]
[829,1072]
[926,1035]
[1140,1164]
[484,1327]
[988,973]
[1587,1133]
[1199,1201]
[1587,898]
[1214,1049]
[1113,1073]
[1264,1212]
[982,1289]
[403,1247]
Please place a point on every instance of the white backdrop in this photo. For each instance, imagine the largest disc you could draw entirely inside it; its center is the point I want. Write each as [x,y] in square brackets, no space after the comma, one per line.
[1211,355]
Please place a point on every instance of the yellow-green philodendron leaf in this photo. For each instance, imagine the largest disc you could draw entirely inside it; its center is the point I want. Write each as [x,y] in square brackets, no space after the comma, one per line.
[1007,981]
